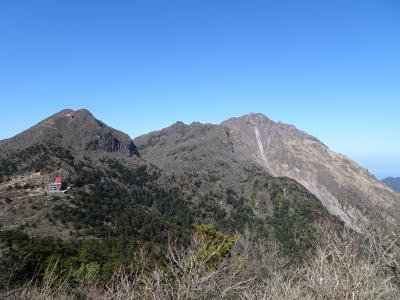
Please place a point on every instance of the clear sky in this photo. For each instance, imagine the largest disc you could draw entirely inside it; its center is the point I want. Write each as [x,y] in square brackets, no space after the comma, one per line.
[332,68]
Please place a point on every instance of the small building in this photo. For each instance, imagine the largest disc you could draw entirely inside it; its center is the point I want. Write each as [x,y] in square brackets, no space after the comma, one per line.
[58,185]
[58,180]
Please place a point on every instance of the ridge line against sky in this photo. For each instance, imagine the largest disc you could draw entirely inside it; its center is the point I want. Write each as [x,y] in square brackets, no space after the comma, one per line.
[331,68]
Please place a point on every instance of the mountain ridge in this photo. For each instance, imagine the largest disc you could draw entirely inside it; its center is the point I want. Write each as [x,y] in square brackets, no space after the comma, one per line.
[113,192]
[242,154]
[78,129]
[393,183]
[345,188]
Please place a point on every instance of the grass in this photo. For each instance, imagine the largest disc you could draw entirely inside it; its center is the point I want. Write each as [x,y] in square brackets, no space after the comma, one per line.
[213,265]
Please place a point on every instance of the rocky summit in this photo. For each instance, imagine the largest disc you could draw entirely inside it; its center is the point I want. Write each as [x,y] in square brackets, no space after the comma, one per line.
[77,130]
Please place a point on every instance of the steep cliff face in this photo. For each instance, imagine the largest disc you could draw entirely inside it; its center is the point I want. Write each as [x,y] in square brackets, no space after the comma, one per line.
[345,188]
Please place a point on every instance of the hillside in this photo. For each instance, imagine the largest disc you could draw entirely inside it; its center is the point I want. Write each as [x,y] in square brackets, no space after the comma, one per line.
[119,199]
[79,148]
[247,191]
[344,188]
[77,130]
[240,149]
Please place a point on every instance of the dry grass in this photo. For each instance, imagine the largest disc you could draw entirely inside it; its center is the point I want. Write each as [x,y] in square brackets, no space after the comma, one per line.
[343,265]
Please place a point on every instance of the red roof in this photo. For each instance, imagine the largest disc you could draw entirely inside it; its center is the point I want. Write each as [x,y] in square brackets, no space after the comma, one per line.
[58,179]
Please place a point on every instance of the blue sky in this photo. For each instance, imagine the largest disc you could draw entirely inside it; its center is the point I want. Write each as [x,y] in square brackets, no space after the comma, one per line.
[332,68]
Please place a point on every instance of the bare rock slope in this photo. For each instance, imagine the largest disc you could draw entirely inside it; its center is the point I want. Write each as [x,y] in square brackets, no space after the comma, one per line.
[344,188]
[253,141]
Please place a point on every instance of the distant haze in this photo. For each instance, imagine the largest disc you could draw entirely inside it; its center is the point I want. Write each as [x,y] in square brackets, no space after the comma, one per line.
[381,166]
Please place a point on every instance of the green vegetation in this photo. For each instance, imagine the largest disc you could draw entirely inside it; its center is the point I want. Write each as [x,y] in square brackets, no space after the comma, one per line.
[215,246]
[294,211]
[33,158]
[291,220]
[242,215]
[210,265]
[37,158]
[25,258]
[122,211]
[7,167]
[115,210]
[125,202]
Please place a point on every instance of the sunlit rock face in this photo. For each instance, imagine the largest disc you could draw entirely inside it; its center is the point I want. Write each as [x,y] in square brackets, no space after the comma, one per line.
[345,188]
[253,141]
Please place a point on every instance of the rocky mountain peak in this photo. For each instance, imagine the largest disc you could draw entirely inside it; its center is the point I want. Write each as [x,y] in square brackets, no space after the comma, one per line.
[250,118]
[76,129]
[281,150]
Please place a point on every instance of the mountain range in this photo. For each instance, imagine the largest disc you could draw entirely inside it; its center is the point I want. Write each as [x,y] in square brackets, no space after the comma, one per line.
[227,150]
[393,183]
[247,172]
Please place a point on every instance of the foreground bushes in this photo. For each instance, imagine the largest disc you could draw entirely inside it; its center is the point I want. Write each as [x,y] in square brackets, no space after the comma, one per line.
[343,265]
[33,259]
